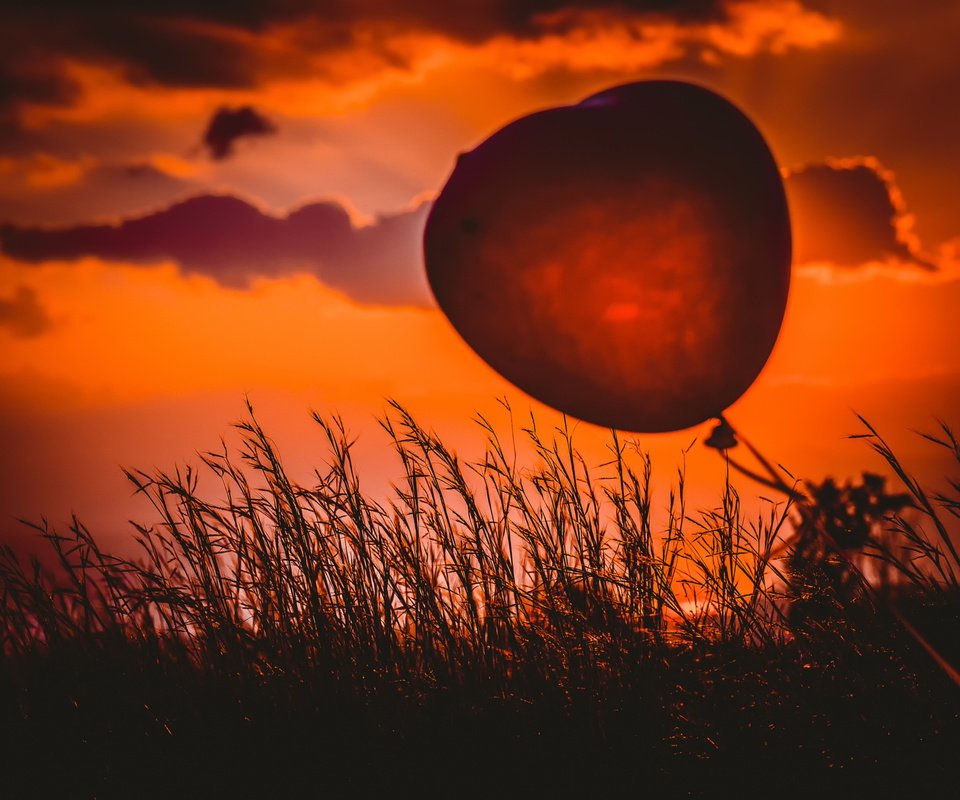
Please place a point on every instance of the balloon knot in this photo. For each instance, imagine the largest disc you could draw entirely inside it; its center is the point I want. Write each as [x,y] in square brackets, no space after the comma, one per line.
[723,436]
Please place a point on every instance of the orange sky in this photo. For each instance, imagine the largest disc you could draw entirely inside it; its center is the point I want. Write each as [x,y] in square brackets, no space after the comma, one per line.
[141,356]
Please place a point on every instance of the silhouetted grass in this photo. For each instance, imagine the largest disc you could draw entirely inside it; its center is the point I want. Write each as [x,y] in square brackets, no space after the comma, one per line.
[486,629]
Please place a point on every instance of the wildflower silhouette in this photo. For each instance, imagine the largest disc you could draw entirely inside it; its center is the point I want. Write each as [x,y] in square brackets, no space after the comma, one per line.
[833,528]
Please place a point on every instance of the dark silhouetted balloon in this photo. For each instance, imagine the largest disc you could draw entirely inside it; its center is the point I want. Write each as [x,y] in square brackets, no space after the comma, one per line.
[625,260]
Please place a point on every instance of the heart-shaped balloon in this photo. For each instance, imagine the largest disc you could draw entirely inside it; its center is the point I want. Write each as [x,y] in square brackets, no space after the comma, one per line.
[625,260]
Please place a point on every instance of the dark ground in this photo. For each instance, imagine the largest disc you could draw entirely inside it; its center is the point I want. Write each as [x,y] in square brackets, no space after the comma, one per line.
[875,719]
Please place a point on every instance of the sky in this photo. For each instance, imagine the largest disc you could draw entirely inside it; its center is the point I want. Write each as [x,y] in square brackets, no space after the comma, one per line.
[207,202]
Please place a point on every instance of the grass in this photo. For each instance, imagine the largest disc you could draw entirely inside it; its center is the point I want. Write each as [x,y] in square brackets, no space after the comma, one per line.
[486,630]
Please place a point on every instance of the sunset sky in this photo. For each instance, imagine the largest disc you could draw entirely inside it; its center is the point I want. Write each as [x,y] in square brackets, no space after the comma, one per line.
[205,201]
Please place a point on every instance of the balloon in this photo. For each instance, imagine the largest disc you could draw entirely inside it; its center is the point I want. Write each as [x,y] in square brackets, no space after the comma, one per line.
[625,260]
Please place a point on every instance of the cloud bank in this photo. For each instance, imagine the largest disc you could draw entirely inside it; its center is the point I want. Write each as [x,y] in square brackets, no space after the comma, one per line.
[233,242]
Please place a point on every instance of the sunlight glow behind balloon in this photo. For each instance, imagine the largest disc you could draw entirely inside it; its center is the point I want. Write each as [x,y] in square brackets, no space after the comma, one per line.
[625,260]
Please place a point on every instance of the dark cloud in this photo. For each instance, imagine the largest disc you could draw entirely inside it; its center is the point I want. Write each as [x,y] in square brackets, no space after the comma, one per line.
[233,242]
[849,213]
[230,124]
[215,44]
[529,17]
[22,314]
[36,80]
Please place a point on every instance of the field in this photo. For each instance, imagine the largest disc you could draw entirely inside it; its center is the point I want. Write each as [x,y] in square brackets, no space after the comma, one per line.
[488,631]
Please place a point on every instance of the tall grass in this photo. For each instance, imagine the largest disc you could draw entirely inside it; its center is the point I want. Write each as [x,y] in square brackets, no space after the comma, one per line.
[551,629]
[473,573]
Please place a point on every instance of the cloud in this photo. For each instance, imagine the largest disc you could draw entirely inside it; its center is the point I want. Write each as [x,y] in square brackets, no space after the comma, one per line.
[850,213]
[230,124]
[22,314]
[239,45]
[234,243]
[847,214]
